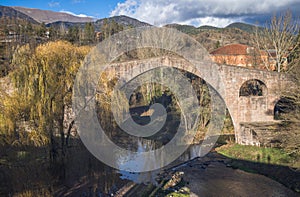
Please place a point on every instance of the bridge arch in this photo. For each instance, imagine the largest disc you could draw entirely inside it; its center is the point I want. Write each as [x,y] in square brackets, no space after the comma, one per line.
[253,87]
[137,68]
[226,80]
[102,57]
[253,108]
[283,107]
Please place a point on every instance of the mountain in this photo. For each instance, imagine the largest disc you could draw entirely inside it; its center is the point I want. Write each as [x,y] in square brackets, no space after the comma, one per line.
[188,29]
[213,37]
[47,16]
[208,27]
[123,20]
[243,26]
[12,14]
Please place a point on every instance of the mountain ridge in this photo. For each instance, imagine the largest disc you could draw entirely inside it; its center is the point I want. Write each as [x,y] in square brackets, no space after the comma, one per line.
[51,18]
[243,26]
[126,21]
[9,12]
[193,30]
[48,16]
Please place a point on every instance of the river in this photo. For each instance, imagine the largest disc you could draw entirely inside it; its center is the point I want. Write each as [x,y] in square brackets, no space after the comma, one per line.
[81,174]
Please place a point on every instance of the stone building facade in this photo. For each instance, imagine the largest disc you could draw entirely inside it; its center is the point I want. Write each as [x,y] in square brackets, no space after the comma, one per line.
[245,56]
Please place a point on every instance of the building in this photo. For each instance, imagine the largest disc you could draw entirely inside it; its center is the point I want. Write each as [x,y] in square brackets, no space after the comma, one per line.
[237,55]
[246,56]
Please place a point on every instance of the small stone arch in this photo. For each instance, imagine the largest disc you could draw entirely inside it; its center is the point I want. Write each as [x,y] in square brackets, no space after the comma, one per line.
[253,87]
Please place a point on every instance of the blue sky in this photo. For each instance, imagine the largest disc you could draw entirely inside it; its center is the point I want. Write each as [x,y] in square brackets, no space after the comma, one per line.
[95,8]
[159,12]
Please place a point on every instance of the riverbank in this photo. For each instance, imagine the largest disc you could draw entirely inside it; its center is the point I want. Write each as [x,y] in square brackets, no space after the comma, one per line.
[271,162]
[216,175]
[211,175]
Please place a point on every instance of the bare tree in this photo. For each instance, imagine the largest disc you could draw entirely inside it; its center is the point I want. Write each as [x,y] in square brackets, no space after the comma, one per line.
[292,93]
[277,39]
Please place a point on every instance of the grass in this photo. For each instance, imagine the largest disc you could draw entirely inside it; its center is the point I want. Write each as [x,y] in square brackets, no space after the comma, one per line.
[256,154]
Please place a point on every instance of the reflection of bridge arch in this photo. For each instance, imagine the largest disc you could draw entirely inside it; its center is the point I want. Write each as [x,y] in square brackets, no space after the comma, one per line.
[252,108]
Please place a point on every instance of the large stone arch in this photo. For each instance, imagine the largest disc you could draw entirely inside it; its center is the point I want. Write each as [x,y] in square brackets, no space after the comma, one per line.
[260,108]
[226,80]
[138,67]
[101,57]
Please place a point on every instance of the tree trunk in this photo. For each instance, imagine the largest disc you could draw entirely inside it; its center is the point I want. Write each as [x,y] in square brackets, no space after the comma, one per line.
[69,132]
[61,129]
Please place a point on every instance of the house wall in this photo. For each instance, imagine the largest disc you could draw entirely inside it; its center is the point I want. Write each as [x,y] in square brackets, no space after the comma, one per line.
[237,60]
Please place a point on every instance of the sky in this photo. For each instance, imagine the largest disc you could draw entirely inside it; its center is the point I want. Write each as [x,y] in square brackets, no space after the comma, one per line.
[218,13]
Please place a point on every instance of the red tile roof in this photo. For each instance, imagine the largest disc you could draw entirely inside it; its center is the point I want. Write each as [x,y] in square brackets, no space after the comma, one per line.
[231,49]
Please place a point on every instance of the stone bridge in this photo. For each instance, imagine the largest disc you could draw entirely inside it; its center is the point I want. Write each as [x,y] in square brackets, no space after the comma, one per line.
[250,109]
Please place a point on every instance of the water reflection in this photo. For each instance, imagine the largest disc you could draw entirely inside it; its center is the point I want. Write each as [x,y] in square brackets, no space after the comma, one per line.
[192,152]
[93,175]
[86,176]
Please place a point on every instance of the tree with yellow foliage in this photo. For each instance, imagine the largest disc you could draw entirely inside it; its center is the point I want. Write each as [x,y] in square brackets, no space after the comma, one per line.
[44,78]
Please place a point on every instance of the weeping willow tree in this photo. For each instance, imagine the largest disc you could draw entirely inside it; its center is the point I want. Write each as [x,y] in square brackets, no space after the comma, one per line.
[43,80]
[10,108]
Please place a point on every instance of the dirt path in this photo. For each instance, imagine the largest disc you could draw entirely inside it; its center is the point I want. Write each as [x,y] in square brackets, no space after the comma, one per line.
[218,180]
[213,175]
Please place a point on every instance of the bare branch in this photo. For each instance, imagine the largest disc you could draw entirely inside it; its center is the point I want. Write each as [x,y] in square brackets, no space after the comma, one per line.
[278,40]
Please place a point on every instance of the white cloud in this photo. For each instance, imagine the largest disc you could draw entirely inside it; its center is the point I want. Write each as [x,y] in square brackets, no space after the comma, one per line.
[128,7]
[78,15]
[53,4]
[212,21]
[202,12]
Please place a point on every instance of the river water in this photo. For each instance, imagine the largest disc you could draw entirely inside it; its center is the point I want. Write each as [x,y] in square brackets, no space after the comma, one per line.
[207,176]
[210,175]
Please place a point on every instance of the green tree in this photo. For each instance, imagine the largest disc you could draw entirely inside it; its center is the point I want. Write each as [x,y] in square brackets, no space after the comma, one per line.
[110,27]
[41,30]
[89,33]
[73,34]
[53,33]
[62,30]
[218,44]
